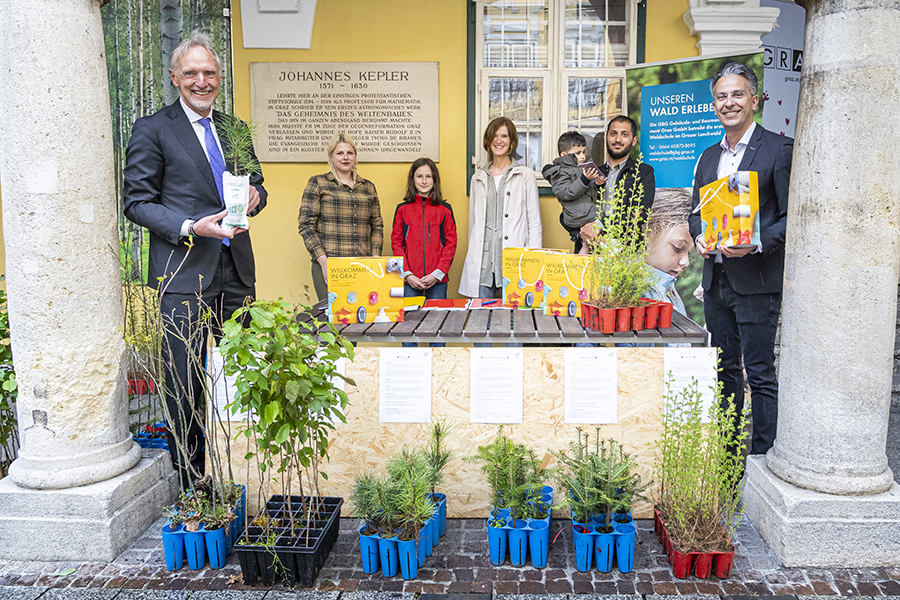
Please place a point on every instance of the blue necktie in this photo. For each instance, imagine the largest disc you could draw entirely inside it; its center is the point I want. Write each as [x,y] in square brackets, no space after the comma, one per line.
[215,161]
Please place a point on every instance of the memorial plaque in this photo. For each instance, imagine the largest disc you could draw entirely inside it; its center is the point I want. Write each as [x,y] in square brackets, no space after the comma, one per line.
[389,109]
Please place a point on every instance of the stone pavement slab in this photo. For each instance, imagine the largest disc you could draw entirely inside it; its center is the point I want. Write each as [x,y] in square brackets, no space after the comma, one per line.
[458,569]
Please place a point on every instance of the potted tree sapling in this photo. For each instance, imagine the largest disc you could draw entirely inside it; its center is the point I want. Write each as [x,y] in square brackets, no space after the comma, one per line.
[412,476]
[600,480]
[285,369]
[364,498]
[516,479]
[439,454]
[237,147]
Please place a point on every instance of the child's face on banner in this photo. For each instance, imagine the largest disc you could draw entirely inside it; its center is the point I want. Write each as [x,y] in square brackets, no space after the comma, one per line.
[668,250]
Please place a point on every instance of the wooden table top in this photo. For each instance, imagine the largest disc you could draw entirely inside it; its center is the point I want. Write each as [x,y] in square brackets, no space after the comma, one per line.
[500,325]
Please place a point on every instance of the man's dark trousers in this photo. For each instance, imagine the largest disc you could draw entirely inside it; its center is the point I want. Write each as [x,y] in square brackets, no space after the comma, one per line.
[746,324]
[184,357]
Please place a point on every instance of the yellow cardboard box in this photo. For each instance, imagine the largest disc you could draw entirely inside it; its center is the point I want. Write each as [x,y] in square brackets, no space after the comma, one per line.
[365,290]
[729,212]
[523,277]
[566,279]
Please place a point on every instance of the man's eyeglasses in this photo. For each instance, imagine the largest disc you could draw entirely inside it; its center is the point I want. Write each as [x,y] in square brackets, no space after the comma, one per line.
[737,95]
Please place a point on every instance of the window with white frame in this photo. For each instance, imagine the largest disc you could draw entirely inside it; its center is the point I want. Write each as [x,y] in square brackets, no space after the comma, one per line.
[551,66]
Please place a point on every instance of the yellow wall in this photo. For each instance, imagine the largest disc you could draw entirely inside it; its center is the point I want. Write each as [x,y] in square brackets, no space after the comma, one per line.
[355,31]
[667,34]
[401,30]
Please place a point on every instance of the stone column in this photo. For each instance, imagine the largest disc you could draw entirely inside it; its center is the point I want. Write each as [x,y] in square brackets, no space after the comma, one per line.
[64,285]
[827,474]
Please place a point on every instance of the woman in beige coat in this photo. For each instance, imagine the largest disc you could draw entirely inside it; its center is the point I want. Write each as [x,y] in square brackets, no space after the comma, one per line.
[504,212]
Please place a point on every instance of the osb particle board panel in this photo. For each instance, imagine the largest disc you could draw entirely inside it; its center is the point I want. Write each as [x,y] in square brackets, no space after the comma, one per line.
[362,443]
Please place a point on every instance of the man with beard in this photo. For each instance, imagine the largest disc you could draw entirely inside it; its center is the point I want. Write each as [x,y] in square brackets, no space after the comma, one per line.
[621,171]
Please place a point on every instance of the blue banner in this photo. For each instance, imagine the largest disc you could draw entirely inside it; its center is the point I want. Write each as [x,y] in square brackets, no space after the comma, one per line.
[677,124]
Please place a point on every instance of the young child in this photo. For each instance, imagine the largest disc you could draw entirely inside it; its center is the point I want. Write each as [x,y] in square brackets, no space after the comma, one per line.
[669,242]
[424,234]
[573,186]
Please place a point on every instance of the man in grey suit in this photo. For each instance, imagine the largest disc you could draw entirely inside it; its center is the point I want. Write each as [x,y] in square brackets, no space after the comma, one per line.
[742,287]
[173,187]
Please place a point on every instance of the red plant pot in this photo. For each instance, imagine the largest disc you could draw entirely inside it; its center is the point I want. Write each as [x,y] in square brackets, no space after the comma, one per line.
[703,564]
[665,315]
[723,563]
[623,319]
[637,317]
[607,317]
[651,313]
[586,310]
[681,564]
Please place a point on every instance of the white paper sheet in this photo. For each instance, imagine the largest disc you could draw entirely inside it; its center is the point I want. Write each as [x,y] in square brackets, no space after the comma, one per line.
[404,385]
[686,364]
[221,387]
[591,384]
[496,387]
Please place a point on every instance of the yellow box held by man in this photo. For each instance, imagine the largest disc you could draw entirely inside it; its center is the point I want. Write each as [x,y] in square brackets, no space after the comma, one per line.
[729,212]
[365,290]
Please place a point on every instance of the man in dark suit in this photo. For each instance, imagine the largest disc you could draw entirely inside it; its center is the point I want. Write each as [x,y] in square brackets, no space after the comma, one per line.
[742,287]
[173,187]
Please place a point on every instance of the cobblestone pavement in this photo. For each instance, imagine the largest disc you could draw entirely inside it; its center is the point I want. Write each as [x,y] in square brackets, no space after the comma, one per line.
[459,565]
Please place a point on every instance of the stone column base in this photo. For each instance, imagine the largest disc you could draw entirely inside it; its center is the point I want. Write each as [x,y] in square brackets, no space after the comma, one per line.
[811,529]
[89,523]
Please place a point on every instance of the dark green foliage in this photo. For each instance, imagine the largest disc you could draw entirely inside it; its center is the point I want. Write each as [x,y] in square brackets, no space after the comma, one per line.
[437,452]
[284,378]
[237,143]
[599,478]
[514,474]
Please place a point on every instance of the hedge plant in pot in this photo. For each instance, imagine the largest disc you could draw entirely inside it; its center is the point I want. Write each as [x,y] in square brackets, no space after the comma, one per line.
[209,504]
[237,145]
[619,274]
[516,479]
[285,369]
[699,464]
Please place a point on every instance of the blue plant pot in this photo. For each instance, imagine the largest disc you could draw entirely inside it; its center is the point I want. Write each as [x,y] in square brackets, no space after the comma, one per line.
[623,518]
[426,536]
[368,549]
[497,538]
[442,513]
[518,543]
[539,543]
[435,527]
[625,540]
[409,559]
[387,555]
[195,548]
[217,546]
[604,550]
[420,545]
[584,547]
[173,546]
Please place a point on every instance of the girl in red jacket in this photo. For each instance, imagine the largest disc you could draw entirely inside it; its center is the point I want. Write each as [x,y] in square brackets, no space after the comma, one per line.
[424,233]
